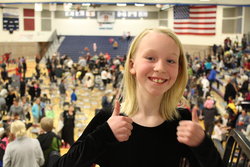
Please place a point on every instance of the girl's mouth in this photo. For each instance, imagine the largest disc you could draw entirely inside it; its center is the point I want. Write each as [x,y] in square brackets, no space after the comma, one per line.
[157,80]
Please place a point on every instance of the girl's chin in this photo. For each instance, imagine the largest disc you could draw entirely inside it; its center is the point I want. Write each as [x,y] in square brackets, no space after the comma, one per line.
[156,93]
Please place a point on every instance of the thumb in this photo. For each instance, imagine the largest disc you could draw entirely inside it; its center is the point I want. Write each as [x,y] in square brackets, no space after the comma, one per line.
[194,114]
[116,111]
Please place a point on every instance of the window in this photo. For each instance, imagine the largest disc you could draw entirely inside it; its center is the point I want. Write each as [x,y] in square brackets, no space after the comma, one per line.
[29,19]
[232,20]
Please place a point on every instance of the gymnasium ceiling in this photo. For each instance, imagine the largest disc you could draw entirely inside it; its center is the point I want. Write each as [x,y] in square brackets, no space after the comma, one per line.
[149,2]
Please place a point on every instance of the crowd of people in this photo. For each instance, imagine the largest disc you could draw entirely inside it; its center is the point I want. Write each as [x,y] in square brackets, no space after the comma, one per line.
[24,104]
[22,98]
[225,72]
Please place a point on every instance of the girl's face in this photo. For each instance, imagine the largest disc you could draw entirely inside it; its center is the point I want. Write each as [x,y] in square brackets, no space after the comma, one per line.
[156,64]
[71,108]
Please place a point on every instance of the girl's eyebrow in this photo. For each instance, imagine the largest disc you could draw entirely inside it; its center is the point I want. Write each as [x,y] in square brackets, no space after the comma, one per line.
[155,51]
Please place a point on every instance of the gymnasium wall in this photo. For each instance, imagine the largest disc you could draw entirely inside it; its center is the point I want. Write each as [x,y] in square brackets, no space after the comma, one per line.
[20,49]
[47,22]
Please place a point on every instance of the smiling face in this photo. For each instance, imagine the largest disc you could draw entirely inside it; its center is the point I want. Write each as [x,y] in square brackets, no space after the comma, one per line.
[156,64]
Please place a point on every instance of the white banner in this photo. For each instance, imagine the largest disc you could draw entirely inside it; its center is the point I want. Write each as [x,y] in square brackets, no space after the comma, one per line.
[11,12]
[105,26]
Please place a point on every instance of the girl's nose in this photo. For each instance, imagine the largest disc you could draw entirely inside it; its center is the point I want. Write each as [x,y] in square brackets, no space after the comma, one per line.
[160,66]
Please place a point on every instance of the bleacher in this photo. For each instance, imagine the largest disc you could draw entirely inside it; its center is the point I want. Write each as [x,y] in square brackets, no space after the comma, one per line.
[73,46]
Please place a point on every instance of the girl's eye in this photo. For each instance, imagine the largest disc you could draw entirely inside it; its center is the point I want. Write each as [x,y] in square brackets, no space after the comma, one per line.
[171,61]
[150,58]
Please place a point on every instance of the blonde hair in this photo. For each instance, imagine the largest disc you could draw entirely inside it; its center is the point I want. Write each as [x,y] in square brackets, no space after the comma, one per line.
[172,96]
[46,124]
[18,128]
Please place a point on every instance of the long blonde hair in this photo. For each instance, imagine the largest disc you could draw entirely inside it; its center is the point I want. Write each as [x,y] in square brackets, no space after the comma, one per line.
[172,96]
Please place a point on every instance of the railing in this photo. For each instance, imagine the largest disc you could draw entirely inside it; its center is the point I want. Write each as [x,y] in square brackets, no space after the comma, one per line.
[54,44]
[237,151]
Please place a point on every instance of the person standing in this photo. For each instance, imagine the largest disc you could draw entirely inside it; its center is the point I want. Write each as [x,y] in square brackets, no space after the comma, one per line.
[16,111]
[244,42]
[230,91]
[62,90]
[68,126]
[22,88]
[37,111]
[212,78]
[24,67]
[104,76]
[23,151]
[210,112]
[73,97]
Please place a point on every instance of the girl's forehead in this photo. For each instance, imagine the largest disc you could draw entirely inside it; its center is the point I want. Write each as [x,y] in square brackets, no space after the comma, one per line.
[154,34]
[152,37]
[157,40]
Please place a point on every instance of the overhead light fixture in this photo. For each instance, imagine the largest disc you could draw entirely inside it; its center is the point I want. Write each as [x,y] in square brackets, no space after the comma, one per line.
[86,4]
[159,5]
[139,4]
[121,4]
[38,7]
[165,7]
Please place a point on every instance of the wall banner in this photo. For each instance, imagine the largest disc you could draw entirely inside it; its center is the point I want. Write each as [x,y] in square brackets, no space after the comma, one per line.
[10,19]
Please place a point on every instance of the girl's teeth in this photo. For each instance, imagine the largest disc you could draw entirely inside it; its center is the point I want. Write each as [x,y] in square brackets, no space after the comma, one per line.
[158,80]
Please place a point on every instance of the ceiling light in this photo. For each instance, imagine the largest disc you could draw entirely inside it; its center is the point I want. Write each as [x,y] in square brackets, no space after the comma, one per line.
[165,7]
[85,4]
[159,5]
[38,7]
[121,4]
[139,4]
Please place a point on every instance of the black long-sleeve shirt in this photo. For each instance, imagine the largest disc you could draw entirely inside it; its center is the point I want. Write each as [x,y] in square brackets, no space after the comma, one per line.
[146,147]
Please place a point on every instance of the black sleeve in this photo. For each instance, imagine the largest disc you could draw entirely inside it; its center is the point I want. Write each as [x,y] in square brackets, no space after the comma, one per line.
[90,145]
[206,153]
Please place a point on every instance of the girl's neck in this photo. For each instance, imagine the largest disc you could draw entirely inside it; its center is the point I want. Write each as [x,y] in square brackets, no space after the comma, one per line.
[145,119]
[148,113]
[148,104]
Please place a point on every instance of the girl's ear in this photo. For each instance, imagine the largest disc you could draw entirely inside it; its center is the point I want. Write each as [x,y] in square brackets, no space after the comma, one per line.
[131,66]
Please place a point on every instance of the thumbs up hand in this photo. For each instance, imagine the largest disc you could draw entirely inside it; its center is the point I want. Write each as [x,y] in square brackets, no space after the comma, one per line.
[190,132]
[121,126]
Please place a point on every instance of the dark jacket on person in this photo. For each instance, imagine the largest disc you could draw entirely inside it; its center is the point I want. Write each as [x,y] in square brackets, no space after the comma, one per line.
[49,142]
[230,91]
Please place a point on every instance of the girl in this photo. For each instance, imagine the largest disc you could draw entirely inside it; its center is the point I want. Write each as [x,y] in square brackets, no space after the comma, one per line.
[147,130]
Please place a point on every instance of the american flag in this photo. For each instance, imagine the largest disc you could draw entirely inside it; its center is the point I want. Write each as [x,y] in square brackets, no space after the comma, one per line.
[195,20]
